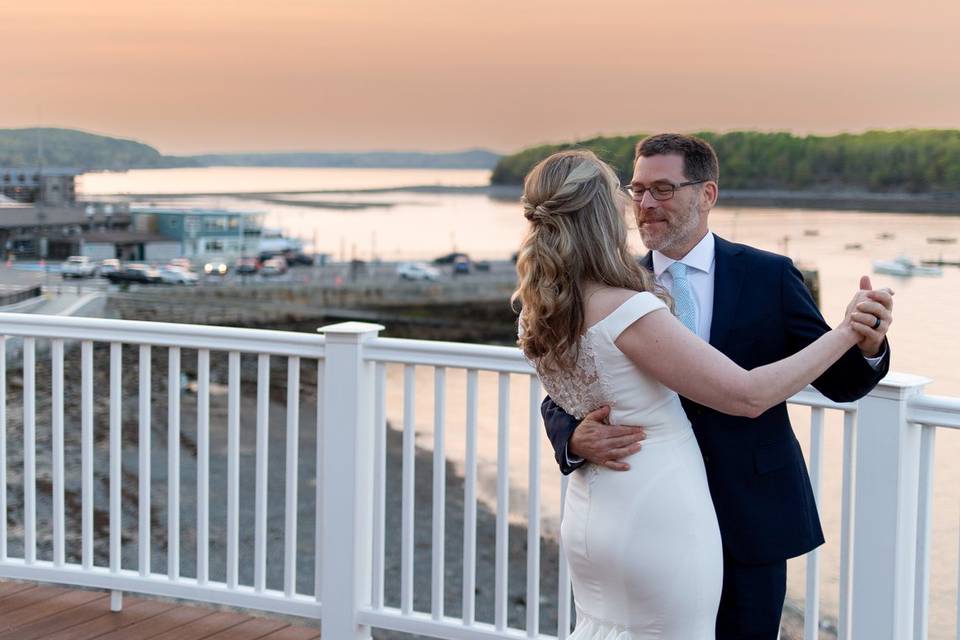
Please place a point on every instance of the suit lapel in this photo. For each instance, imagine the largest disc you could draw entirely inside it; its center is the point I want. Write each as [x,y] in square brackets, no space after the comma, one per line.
[729,272]
[647,261]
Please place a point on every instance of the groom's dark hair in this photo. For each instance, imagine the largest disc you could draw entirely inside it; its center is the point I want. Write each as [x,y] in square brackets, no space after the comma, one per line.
[699,159]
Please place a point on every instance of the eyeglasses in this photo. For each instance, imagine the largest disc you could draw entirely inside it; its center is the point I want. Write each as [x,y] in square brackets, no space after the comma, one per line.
[659,190]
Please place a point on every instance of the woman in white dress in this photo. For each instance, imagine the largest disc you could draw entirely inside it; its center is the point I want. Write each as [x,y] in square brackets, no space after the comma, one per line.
[643,545]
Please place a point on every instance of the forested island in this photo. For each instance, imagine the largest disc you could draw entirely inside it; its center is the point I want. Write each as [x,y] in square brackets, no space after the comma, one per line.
[74,149]
[913,161]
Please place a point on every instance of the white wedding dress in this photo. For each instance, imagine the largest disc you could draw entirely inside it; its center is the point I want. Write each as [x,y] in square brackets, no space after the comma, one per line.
[643,545]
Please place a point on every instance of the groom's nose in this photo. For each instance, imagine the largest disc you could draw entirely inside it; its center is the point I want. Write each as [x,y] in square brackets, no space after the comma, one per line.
[647,201]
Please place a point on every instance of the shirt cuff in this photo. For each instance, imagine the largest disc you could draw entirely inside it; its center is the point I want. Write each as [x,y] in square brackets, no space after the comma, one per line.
[876,361]
[571,460]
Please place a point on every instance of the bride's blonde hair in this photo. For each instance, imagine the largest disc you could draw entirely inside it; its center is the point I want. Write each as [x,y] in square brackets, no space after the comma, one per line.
[577,233]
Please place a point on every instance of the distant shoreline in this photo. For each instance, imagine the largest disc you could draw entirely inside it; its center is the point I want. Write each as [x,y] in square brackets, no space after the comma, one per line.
[943,204]
[939,203]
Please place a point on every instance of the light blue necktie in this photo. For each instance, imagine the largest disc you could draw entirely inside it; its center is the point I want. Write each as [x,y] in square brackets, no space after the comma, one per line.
[683,296]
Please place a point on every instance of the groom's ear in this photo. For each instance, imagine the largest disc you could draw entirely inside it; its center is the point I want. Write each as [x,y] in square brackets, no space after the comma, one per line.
[710,193]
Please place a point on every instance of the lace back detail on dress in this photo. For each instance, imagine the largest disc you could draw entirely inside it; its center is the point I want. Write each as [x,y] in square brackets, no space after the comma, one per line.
[578,391]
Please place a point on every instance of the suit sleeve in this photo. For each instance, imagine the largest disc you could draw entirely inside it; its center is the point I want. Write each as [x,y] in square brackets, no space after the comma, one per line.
[851,377]
[559,425]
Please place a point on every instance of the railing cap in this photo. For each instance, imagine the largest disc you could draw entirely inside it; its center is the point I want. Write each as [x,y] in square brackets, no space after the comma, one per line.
[896,386]
[351,331]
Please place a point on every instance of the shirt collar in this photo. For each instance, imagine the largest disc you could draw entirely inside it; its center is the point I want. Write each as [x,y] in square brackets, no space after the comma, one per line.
[699,258]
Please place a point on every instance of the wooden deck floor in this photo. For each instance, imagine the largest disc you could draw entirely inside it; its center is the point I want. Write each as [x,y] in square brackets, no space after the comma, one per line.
[31,611]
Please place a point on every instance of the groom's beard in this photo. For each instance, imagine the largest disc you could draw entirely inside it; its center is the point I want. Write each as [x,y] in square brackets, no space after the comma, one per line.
[660,232]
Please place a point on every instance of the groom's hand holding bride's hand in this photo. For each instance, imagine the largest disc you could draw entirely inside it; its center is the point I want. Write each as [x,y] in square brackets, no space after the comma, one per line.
[870,305]
[600,443]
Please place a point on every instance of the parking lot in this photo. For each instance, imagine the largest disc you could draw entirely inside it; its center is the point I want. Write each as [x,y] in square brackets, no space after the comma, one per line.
[333,274]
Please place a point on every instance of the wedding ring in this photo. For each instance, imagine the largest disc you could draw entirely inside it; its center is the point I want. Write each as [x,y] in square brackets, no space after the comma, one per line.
[876,325]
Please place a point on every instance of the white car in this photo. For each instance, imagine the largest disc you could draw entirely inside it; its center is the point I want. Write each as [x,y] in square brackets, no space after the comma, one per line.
[273,267]
[174,274]
[417,271]
[108,265]
[78,267]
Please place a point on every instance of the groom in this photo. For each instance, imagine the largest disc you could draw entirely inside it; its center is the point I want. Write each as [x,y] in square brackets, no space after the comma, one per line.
[752,306]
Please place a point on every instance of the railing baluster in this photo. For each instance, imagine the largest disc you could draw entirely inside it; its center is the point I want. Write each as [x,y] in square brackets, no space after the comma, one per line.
[563,578]
[407,504]
[811,617]
[503,503]
[533,513]
[203,466]
[173,463]
[3,447]
[846,523]
[924,519]
[233,469]
[263,443]
[318,514]
[293,441]
[144,467]
[57,406]
[379,485]
[86,452]
[439,490]
[116,447]
[29,451]
[470,503]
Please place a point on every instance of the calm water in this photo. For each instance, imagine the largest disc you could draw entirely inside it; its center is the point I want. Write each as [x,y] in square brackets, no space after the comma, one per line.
[400,225]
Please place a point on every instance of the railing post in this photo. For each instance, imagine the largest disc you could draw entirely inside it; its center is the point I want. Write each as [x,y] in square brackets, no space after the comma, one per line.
[346,479]
[885,512]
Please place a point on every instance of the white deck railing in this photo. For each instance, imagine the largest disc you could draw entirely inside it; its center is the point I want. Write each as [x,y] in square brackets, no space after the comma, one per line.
[887,479]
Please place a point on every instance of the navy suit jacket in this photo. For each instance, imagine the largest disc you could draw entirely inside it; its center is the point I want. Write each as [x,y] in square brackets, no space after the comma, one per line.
[762,312]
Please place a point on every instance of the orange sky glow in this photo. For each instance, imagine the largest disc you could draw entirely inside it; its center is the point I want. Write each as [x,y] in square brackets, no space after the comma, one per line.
[241,75]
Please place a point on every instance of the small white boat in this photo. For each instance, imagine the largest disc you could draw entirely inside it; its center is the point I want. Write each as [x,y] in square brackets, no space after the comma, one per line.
[904,266]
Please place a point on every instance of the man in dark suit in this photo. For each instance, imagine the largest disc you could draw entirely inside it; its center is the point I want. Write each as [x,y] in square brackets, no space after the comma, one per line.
[753,306]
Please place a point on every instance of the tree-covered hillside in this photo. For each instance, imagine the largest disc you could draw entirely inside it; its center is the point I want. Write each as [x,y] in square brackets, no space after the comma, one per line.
[77,149]
[910,161]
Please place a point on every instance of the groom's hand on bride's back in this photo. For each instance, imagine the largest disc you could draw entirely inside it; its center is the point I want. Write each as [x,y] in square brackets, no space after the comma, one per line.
[605,444]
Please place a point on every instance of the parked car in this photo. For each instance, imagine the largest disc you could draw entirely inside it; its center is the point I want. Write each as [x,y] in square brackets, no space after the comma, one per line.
[184,263]
[174,274]
[246,266]
[461,265]
[294,259]
[273,267]
[216,268]
[136,274]
[450,258]
[78,267]
[482,265]
[417,271]
[108,265]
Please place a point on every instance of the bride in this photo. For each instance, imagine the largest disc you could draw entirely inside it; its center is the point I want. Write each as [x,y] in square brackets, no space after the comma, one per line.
[643,545]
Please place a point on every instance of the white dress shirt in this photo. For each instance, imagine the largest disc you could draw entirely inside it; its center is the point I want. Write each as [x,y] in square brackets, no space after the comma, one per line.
[700,274]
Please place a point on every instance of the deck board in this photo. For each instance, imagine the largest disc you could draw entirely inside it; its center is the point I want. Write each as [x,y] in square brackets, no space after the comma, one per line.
[34,612]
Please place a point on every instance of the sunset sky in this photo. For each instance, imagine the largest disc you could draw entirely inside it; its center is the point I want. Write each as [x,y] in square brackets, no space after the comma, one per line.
[203,75]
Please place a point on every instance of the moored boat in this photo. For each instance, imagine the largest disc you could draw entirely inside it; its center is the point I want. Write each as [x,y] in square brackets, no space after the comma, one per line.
[904,266]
